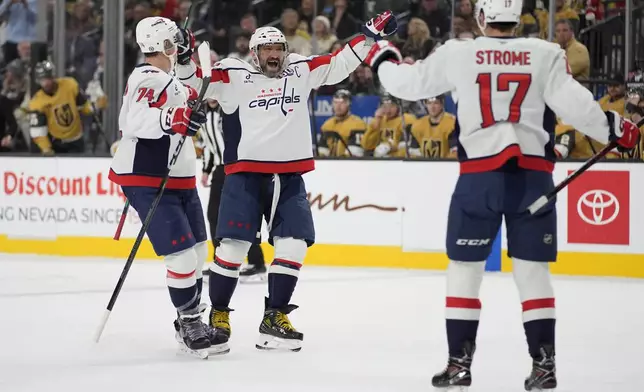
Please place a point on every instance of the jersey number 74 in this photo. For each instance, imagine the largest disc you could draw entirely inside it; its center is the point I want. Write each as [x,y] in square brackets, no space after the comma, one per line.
[503,81]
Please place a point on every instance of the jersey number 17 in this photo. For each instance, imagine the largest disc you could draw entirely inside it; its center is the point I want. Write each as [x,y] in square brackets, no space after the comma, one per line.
[503,81]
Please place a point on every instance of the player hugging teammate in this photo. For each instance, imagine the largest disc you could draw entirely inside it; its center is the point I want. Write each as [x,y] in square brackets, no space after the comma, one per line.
[508,91]
[268,147]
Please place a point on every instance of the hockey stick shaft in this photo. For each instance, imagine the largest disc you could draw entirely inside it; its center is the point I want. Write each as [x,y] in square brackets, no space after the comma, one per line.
[137,242]
[119,228]
[545,199]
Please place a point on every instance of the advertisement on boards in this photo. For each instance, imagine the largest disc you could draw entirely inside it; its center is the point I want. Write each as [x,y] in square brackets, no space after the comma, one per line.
[599,208]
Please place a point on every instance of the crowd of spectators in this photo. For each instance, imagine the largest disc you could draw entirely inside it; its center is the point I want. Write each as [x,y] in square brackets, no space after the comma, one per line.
[312,27]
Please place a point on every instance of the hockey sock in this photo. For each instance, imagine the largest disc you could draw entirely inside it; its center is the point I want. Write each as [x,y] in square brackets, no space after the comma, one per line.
[537,300]
[282,278]
[224,271]
[181,279]
[284,270]
[463,307]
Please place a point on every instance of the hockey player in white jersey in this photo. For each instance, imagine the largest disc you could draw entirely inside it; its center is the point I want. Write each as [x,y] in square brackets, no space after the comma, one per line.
[268,146]
[155,115]
[506,90]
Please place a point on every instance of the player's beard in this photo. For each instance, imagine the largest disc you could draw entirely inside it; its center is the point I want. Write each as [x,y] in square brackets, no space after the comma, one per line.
[272,66]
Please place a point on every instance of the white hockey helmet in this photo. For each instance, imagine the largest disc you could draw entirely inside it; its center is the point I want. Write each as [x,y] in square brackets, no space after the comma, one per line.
[266,35]
[157,34]
[498,11]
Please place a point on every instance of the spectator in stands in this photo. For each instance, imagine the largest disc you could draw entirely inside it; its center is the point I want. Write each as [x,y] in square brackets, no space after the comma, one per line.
[20,17]
[242,49]
[614,100]
[248,22]
[81,47]
[12,95]
[384,137]
[82,20]
[361,81]
[466,12]
[435,17]
[431,135]
[576,52]
[324,38]
[342,134]
[307,14]
[170,9]
[564,12]
[221,17]
[133,55]
[343,24]
[594,11]
[419,43]
[298,40]
[198,26]
[335,46]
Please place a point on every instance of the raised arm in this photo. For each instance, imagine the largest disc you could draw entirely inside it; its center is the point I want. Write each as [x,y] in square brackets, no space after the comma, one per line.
[334,68]
[412,82]
[576,106]
[190,75]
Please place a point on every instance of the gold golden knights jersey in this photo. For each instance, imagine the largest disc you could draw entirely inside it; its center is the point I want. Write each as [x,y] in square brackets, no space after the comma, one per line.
[431,140]
[573,144]
[338,134]
[389,132]
[607,103]
[57,115]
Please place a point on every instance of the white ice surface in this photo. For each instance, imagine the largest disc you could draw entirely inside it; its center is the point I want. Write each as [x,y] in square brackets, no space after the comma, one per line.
[364,330]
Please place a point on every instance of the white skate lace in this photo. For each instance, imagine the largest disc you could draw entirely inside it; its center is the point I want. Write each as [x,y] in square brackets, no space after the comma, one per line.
[194,329]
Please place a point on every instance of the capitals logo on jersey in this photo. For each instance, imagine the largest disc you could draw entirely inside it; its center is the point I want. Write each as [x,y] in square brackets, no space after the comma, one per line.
[273,97]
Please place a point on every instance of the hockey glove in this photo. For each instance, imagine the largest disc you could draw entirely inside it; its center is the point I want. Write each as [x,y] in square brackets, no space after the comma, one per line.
[623,131]
[382,150]
[382,51]
[192,93]
[182,120]
[381,26]
[186,46]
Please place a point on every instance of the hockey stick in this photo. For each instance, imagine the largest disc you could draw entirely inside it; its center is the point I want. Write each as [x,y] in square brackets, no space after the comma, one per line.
[186,24]
[545,199]
[204,60]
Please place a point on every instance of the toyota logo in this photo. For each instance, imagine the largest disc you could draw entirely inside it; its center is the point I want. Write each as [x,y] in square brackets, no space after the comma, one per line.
[603,205]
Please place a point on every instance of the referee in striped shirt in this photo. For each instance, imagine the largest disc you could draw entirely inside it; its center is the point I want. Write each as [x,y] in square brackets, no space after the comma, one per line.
[213,175]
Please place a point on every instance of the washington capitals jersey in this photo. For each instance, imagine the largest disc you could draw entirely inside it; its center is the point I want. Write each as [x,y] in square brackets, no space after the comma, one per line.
[266,123]
[147,143]
[506,90]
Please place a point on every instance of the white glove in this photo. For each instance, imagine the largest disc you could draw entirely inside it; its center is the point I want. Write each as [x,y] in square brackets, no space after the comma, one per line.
[382,150]
[356,151]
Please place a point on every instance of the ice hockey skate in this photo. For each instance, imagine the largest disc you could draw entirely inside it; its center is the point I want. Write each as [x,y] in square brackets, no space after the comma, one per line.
[457,375]
[543,376]
[218,336]
[191,335]
[276,331]
[253,274]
